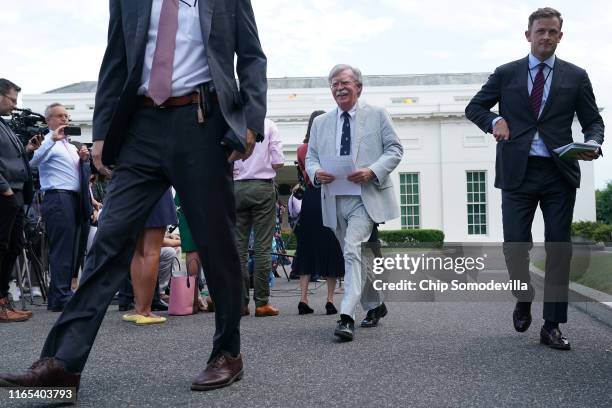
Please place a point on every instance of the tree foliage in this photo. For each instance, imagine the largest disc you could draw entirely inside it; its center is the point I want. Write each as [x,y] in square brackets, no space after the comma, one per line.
[603,202]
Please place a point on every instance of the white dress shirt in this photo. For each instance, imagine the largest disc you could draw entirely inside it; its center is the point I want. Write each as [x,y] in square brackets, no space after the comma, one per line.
[58,164]
[190,61]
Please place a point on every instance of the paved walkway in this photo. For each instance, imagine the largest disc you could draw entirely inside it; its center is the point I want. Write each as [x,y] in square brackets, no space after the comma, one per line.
[422,355]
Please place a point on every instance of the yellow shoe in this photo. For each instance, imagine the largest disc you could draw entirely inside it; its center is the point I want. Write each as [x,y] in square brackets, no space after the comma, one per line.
[131,317]
[144,320]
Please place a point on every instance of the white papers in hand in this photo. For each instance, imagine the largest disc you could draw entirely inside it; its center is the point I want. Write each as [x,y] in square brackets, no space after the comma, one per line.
[571,150]
[340,167]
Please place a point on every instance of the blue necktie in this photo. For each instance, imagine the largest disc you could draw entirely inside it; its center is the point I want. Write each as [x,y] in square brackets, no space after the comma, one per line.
[345,142]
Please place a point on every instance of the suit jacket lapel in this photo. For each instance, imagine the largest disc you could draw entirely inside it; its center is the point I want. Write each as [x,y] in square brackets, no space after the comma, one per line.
[522,75]
[360,129]
[12,137]
[330,125]
[206,12]
[142,30]
[557,80]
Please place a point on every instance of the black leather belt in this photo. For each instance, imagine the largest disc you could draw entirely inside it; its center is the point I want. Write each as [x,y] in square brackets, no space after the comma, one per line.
[262,180]
[540,158]
[60,191]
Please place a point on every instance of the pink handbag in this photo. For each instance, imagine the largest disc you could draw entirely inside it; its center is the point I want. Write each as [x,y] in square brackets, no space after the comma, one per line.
[183,296]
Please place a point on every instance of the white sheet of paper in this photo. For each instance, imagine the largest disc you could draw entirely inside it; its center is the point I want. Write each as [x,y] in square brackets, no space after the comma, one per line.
[340,167]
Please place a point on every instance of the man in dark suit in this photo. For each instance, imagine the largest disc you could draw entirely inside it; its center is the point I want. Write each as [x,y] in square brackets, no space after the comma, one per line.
[15,191]
[168,112]
[538,97]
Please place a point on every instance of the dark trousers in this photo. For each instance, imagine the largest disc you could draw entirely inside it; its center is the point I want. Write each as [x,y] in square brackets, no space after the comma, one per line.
[543,185]
[60,212]
[163,147]
[82,236]
[11,237]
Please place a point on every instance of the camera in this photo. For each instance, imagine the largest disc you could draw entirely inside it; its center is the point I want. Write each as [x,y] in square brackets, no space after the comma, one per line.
[26,124]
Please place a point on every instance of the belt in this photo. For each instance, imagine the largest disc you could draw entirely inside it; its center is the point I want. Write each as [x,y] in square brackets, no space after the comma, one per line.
[174,101]
[60,191]
[262,180]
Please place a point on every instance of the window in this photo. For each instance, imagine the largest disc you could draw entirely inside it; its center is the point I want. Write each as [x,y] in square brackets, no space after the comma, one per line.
[463,98]
[409,200]
[405,100]
[477,202]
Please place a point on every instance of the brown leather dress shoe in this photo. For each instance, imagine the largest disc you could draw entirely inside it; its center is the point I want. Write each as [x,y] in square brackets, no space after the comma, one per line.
[266,310]
[46,372]
[8,314]
[221,371]
[11,307]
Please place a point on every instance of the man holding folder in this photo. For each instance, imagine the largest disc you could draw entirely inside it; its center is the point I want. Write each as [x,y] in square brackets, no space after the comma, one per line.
[538,96]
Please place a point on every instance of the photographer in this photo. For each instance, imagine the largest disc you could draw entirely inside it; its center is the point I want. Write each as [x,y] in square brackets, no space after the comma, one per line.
[15,191]
[64,175]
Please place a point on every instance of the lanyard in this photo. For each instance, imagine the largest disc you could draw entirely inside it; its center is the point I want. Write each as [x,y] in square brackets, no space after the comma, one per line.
[545,78]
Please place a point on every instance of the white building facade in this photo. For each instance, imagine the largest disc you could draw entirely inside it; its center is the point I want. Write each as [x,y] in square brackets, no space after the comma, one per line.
[445,179]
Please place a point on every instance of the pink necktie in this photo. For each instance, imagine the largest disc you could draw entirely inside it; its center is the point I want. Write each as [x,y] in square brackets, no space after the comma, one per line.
[160,82]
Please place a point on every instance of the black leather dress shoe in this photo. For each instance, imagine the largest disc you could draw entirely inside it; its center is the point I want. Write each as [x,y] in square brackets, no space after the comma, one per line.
[159,306]
[345,328]
[374,315]
[554,339]
[303,308]
[521,320]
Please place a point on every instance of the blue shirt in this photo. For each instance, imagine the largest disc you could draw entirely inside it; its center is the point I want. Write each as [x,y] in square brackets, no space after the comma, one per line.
[58,164]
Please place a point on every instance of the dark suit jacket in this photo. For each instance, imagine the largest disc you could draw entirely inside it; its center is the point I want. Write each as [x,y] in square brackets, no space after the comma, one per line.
[15,169]
[570,92]
[84,194]
[228,30]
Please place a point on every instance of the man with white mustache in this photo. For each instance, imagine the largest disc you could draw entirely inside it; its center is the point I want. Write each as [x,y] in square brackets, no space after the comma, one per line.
[365,134]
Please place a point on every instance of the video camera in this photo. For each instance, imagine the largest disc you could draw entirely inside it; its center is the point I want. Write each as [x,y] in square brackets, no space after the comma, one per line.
[27,124]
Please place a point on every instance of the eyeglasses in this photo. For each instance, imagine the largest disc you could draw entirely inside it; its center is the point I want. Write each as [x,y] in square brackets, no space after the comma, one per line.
[14,100]
[336,85]
[61,115]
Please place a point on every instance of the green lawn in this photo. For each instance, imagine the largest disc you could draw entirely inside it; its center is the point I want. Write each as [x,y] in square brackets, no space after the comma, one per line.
[594,271]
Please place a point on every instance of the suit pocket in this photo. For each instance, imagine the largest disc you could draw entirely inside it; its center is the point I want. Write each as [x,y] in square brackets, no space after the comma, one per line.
[387,184]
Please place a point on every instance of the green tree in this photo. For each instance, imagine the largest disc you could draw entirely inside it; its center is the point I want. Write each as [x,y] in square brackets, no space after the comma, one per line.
[603,202]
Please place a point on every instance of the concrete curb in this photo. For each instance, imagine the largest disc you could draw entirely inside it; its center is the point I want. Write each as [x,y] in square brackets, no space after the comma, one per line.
[595,303]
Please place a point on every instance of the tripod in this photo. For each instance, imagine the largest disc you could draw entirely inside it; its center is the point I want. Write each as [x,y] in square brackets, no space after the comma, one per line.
[33,258]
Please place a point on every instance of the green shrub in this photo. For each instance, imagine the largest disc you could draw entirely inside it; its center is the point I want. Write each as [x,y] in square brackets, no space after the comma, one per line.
[413,236]
[584,229]
[603,233]
[393,237]
[596,231]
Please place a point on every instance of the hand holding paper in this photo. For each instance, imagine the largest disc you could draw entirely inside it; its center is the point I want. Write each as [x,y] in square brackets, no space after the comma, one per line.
[581,151]
[340,167]
[361,176]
